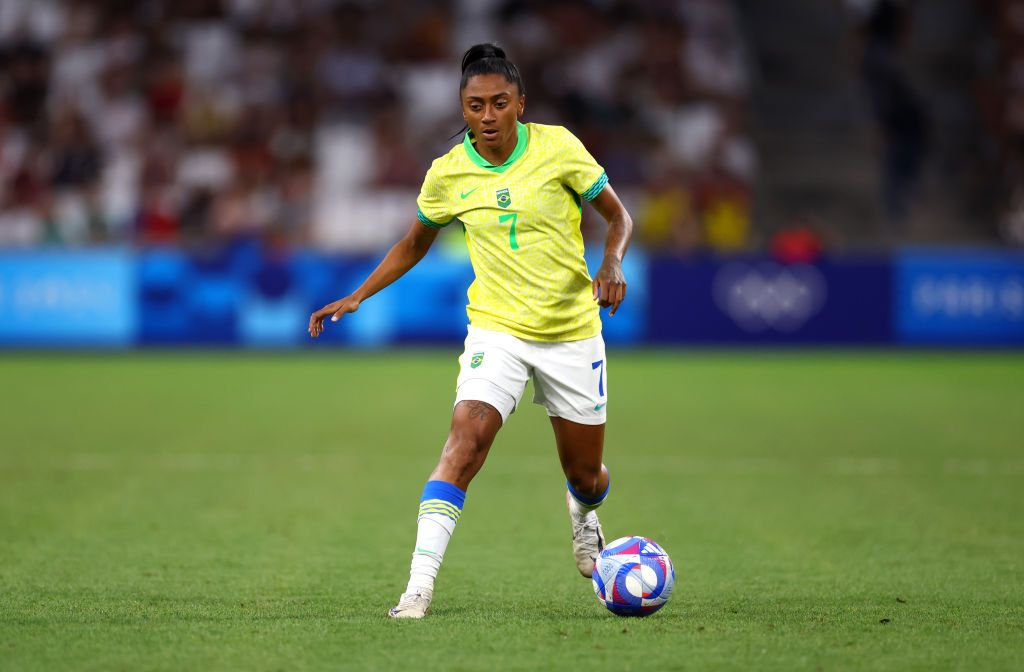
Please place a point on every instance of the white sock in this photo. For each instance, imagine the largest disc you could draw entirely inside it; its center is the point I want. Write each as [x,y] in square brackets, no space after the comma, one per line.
[440,508]
[578,510]
[432,535]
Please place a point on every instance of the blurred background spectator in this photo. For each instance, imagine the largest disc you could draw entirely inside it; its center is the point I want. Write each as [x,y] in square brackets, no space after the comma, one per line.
[726,126]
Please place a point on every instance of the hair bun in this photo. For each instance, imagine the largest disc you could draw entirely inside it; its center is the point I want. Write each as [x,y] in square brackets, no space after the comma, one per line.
[480,51]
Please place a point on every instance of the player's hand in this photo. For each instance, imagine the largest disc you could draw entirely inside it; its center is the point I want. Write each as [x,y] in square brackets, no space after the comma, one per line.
[335,310]
[610,284]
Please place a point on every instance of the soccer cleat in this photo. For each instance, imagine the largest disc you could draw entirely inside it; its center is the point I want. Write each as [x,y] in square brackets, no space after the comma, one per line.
[412,605]
[587,539]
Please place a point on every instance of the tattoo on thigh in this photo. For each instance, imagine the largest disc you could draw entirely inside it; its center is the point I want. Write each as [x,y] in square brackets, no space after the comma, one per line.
[478,409]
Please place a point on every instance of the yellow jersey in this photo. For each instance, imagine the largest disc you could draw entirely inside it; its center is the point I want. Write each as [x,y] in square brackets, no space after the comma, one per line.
[522,226]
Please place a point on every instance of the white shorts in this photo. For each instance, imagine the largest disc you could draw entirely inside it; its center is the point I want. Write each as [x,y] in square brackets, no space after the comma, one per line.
[570,379]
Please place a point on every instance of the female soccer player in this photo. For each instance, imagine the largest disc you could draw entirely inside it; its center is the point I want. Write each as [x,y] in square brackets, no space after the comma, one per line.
[533,308]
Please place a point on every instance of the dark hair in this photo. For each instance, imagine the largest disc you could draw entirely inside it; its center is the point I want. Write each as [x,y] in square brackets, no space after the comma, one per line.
[489,59]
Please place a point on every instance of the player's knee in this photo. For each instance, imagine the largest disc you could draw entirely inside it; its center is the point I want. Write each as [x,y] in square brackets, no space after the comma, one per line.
[462,448]
[460,461]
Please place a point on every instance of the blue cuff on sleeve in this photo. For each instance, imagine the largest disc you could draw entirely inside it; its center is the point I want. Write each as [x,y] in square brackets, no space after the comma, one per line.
[595,189]
[428,222]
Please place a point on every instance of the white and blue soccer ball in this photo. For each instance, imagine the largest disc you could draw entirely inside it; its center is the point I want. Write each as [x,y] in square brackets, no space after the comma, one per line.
[633,576]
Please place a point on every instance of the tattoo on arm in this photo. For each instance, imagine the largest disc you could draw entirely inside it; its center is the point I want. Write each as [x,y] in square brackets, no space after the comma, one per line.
[478,409]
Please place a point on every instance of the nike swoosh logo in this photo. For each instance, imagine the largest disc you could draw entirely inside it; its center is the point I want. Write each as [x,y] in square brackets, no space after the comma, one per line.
[599,406]
[467,193]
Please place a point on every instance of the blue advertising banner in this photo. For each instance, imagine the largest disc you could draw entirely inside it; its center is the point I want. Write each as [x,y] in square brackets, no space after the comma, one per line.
[755,300]
[64,298]
[960,298]
[253,296]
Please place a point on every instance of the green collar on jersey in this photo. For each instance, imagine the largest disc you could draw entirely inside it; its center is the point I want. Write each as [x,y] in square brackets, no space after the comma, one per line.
[523,140]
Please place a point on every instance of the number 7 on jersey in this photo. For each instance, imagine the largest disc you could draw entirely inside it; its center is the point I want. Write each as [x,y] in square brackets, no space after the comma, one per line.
[512,230]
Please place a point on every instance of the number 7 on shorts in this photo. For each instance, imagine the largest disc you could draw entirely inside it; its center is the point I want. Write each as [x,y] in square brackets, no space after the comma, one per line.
[599,364]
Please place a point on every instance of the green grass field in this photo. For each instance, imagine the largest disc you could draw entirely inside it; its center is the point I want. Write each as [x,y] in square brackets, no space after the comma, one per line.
[830,511]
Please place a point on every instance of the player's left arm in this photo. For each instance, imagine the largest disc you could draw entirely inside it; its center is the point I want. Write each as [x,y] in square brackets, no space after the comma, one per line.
[610,282]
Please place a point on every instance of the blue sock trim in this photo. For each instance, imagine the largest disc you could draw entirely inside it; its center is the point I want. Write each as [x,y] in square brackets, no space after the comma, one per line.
[589,501]
[444,491]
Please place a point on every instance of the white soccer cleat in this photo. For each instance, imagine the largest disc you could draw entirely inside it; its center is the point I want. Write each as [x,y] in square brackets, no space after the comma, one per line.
[412,605]
[587,539]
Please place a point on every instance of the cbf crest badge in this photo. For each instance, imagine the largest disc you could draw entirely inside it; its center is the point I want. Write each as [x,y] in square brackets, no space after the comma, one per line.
[478,359]
[504,198]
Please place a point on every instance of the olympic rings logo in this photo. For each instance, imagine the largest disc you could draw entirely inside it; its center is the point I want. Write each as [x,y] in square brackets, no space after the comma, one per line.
[768,296]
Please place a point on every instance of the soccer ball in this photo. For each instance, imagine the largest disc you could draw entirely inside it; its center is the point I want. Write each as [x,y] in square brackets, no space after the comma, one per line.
[633,576]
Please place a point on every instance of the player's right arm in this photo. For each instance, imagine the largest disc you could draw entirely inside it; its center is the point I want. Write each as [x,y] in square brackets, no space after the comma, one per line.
[402,256]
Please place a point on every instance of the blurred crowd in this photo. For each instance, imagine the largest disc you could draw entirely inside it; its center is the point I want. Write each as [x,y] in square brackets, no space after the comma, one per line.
[1001,101]
[312,122]
[658,91]
[196,121]
[153,121]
